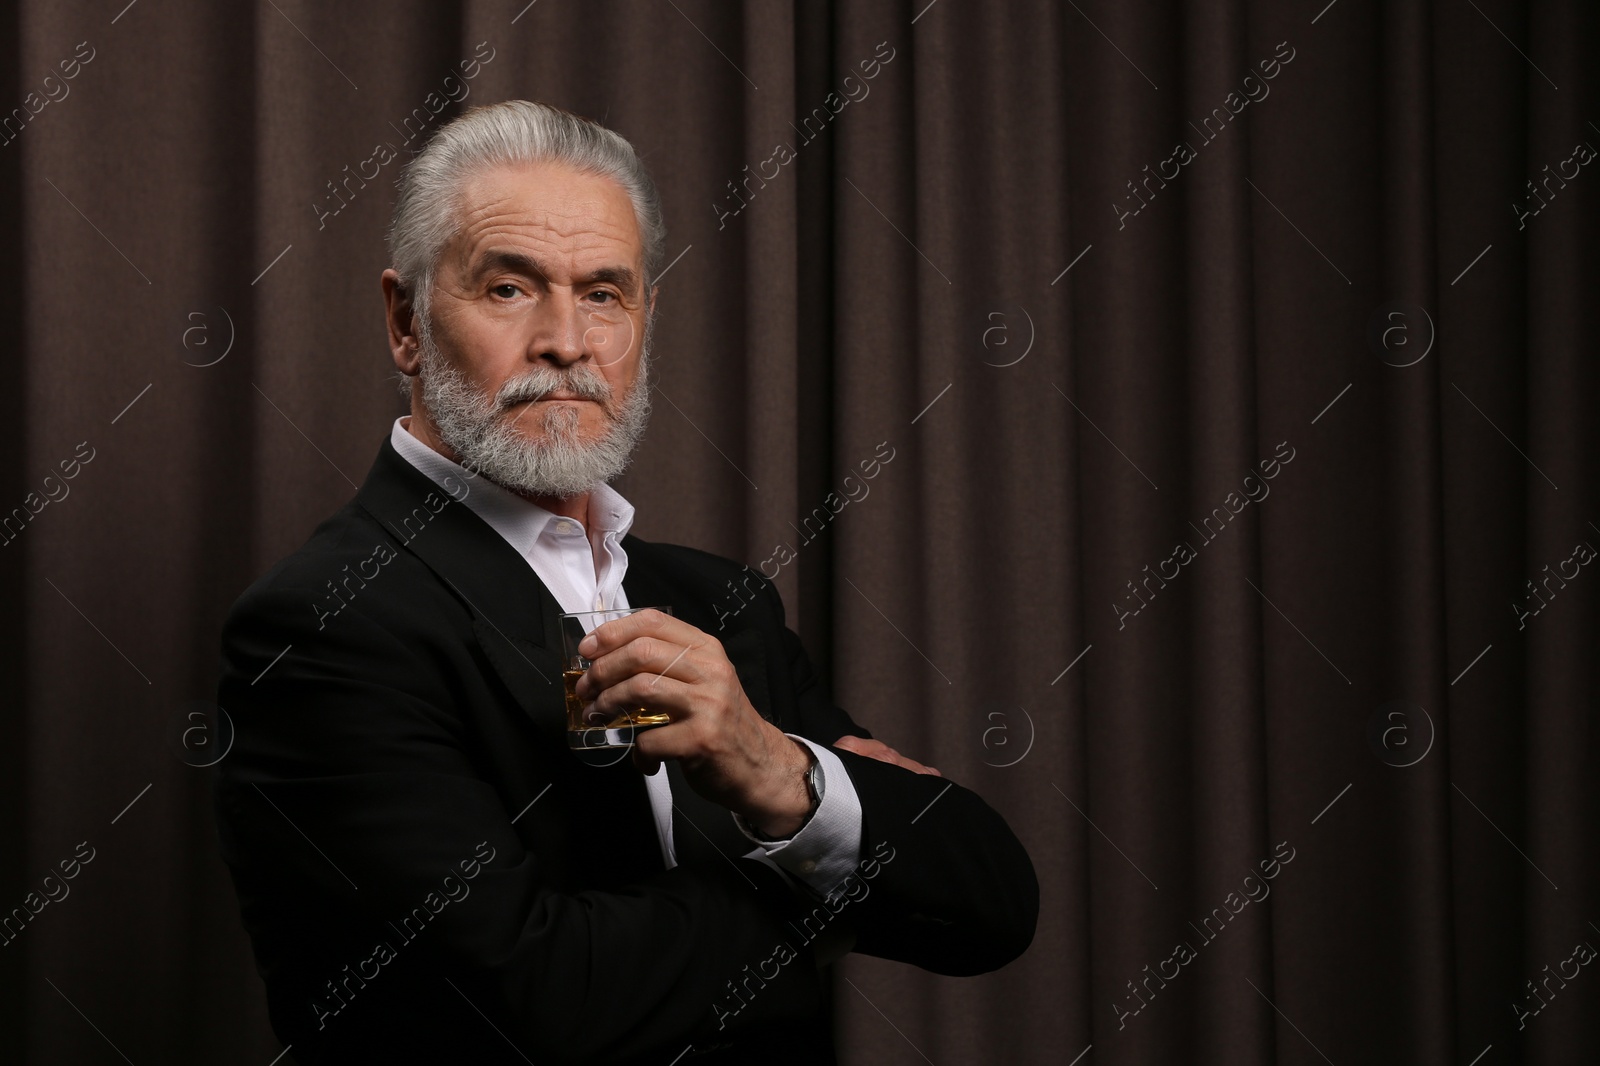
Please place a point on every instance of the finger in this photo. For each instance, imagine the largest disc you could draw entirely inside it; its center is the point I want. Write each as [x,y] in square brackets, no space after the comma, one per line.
[876,749]
[652,692]
[900,760]
[861,746]
[653,655]
[659,743]
[648,622]
[644,763]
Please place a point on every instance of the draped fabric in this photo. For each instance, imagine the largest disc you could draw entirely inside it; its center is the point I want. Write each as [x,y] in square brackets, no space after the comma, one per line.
[1173,421]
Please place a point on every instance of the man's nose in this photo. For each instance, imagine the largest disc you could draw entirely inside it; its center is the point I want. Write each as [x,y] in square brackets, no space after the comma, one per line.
[561,334]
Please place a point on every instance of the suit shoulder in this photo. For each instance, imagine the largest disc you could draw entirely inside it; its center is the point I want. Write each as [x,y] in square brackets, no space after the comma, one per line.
[332,537]
[711,567]
[724,584]
[346,550]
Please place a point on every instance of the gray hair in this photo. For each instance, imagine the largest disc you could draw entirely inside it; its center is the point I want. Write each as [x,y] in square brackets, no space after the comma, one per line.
[511,132]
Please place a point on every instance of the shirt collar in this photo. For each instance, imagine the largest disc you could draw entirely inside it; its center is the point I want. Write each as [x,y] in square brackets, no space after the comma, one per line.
[521,522]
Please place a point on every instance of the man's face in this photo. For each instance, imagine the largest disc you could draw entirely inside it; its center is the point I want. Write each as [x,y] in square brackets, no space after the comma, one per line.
[534,353]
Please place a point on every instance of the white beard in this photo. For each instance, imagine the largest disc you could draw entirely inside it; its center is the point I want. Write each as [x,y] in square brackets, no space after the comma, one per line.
[486,438]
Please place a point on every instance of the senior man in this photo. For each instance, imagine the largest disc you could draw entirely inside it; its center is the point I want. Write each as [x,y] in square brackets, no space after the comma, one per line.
[426,871]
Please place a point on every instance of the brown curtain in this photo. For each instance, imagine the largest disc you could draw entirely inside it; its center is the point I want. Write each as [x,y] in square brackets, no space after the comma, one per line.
[1238,391]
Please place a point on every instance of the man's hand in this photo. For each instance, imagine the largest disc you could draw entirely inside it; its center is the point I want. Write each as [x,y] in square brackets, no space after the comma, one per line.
[729,753]
[877,749]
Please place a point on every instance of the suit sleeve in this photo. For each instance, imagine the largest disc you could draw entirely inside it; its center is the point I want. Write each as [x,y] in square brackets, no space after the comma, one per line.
[945,885]
[352,788]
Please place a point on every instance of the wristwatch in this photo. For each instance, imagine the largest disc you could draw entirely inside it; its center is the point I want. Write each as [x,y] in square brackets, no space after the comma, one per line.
[815,783]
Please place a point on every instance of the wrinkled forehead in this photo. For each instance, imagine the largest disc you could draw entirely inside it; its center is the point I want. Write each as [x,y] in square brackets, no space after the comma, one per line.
[568,219]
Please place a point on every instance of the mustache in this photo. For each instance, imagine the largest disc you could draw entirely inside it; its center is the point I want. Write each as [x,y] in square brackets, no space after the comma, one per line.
[581,382]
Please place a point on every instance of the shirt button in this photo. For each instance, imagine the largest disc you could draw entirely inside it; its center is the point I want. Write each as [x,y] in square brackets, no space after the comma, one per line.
[809,866]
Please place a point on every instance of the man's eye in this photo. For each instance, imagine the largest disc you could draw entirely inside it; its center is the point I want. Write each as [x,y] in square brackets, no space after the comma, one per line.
[603,296]
[507,290]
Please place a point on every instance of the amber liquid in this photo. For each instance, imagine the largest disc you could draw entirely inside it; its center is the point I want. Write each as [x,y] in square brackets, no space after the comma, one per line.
[593,729]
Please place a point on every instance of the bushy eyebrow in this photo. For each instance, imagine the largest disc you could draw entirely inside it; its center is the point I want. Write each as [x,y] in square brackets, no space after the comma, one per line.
[496,259]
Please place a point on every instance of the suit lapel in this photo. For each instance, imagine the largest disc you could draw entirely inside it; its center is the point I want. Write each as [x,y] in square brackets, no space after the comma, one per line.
[514,615]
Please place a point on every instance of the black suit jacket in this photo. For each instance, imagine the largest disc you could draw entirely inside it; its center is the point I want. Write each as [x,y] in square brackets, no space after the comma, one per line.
[427,874]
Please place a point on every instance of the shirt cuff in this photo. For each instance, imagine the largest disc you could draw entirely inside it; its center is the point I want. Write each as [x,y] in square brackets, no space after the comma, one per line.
[828,847]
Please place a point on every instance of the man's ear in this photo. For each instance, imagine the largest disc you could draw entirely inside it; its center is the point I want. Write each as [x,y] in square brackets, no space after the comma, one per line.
[401,321]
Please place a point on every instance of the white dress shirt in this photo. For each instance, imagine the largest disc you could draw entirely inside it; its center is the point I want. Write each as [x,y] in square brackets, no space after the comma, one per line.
[583,568]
